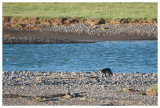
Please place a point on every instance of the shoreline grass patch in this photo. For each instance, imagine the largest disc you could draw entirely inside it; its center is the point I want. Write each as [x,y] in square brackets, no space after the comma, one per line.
[152,91]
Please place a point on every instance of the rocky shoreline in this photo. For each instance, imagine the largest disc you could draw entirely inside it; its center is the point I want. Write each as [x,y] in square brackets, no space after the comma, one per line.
[77,88]
[79,33]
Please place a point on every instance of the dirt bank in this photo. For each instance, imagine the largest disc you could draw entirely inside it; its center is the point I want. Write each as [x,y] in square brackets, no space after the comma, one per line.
[73,30]
[76,33]
[12,21]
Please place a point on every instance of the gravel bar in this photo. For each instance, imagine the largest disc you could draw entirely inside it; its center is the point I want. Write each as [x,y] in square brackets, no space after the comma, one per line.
[77,88]
[78,33]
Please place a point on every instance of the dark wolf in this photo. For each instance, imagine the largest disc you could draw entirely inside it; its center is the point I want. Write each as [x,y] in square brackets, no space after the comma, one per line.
[106,71]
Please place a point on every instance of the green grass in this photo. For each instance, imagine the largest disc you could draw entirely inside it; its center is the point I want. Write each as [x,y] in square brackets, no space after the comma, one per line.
[154,88]
[86,10]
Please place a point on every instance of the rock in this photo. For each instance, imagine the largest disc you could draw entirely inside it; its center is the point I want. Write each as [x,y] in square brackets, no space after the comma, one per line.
[83,98]
[7,35]
[94,27]
[44,99]
[102,28]
[69,96]
[130,90]
[95,79]
[136,72]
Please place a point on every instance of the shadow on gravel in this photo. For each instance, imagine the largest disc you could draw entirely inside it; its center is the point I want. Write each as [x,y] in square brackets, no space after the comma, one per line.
[46,98]
[10,96]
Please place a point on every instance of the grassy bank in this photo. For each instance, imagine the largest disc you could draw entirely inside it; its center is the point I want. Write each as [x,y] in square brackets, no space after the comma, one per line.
[86,10]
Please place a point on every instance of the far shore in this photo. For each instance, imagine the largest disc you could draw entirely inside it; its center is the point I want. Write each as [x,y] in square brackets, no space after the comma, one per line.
[79,33]
[75,30]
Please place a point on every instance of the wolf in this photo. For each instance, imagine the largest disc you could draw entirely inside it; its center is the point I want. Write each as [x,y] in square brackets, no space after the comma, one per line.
[106,71]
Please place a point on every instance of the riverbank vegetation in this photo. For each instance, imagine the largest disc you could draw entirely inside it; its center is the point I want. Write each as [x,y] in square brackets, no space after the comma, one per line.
[153,91]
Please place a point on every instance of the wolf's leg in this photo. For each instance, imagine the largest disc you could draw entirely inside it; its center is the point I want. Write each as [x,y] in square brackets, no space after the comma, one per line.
[105,75]
[102,75]
[110,74]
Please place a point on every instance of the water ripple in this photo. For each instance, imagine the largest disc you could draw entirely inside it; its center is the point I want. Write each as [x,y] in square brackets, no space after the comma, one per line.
[120,56]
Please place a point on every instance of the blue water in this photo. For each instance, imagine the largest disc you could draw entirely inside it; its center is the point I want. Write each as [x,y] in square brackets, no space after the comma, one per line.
[120,56]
